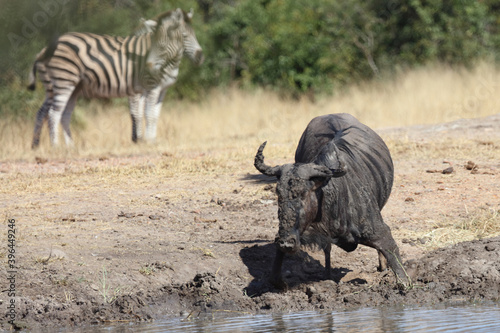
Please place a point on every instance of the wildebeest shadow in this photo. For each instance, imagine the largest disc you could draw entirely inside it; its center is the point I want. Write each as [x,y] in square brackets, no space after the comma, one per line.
[259,178]
[297,269]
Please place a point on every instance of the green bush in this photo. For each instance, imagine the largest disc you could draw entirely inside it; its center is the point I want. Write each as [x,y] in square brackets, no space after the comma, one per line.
[294,47]
[305,46]
[421,31]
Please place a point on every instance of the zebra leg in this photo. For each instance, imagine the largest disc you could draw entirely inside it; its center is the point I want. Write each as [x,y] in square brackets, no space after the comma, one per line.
[41,116]
[136,106]
[66,117]
[54,120]
[43,112]
[154,101]
[56,112]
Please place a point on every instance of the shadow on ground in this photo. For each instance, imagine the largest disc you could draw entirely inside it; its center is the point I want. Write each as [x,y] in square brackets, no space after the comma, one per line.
[297,269]
[258,178]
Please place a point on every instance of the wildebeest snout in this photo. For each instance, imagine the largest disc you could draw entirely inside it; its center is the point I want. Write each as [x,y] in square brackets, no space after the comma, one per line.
[288,244]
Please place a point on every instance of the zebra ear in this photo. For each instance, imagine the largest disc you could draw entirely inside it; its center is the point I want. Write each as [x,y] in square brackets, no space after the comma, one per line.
[190,14]
[149,24]
[178,14]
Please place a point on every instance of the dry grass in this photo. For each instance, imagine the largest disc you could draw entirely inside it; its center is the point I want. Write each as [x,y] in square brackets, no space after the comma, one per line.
[456,148]
[480,223]
[230,124]
[220,135]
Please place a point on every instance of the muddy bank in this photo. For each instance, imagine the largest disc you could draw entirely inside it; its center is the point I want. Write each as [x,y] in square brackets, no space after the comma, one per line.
[115,239]
[466,272]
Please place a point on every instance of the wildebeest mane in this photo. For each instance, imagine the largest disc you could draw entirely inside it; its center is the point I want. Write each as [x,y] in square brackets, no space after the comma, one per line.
[328,141]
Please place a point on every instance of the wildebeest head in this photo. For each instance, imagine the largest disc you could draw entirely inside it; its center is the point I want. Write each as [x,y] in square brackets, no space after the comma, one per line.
[172,37]
[298,195]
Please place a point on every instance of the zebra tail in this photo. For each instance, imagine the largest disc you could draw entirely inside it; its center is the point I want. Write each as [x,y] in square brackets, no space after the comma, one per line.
[32,77]
[43,56]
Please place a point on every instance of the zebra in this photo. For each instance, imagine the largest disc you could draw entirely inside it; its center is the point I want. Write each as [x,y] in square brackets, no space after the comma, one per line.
[137,102]
[140,66]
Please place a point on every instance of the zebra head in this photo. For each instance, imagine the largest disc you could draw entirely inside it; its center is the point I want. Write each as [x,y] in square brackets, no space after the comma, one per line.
[192,48]
[172,37]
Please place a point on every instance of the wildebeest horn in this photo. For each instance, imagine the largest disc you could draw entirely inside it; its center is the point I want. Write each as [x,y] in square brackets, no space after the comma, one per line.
[330,155]
[262,167]
[320,171]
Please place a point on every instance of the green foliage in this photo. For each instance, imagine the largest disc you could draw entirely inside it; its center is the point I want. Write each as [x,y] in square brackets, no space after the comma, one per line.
[451,31]
[16,101]
[294,47]
[304,46]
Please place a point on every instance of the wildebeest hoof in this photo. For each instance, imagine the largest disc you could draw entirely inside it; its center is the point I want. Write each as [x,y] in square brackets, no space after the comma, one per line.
[404,284]
[328,274]
[279,284]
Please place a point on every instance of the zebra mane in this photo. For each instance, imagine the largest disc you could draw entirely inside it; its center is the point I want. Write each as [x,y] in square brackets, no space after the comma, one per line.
[163,15]
[166,14]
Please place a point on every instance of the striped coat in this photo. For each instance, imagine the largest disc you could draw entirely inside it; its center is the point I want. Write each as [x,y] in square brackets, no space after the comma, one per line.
[106,66]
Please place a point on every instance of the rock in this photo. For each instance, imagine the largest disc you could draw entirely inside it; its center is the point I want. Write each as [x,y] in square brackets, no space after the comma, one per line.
[471,166]
[310,290]
[490,247]
[424,240]
[447,170]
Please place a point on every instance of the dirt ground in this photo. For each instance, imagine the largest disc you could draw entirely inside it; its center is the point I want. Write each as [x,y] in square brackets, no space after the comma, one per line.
[111,239]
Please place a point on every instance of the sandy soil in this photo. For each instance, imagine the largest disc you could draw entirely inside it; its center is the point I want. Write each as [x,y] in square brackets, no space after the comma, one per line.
[113,239]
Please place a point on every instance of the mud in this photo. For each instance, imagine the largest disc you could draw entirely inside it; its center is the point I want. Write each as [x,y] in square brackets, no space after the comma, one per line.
[93,252]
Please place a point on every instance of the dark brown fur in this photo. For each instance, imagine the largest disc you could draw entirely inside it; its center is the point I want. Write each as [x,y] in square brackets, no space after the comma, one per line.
[334,192]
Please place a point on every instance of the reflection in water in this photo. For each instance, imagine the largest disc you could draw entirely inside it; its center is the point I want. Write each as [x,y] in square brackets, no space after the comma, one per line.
[482,318]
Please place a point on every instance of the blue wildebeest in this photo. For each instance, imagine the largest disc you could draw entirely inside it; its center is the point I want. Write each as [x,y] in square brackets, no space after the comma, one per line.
[140,66]
[334,193]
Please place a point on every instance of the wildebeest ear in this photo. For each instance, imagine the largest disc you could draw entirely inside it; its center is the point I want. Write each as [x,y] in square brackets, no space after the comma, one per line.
[264,168]
[312,170]
[331,156]
[319,174]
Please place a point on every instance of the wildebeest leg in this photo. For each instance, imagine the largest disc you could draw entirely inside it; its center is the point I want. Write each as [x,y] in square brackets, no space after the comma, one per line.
[382,262]
[328,265]
[385,244]
[276,278]
[395,263]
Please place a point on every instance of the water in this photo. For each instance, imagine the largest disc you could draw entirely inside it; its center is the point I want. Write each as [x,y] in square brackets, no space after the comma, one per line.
[481,318]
